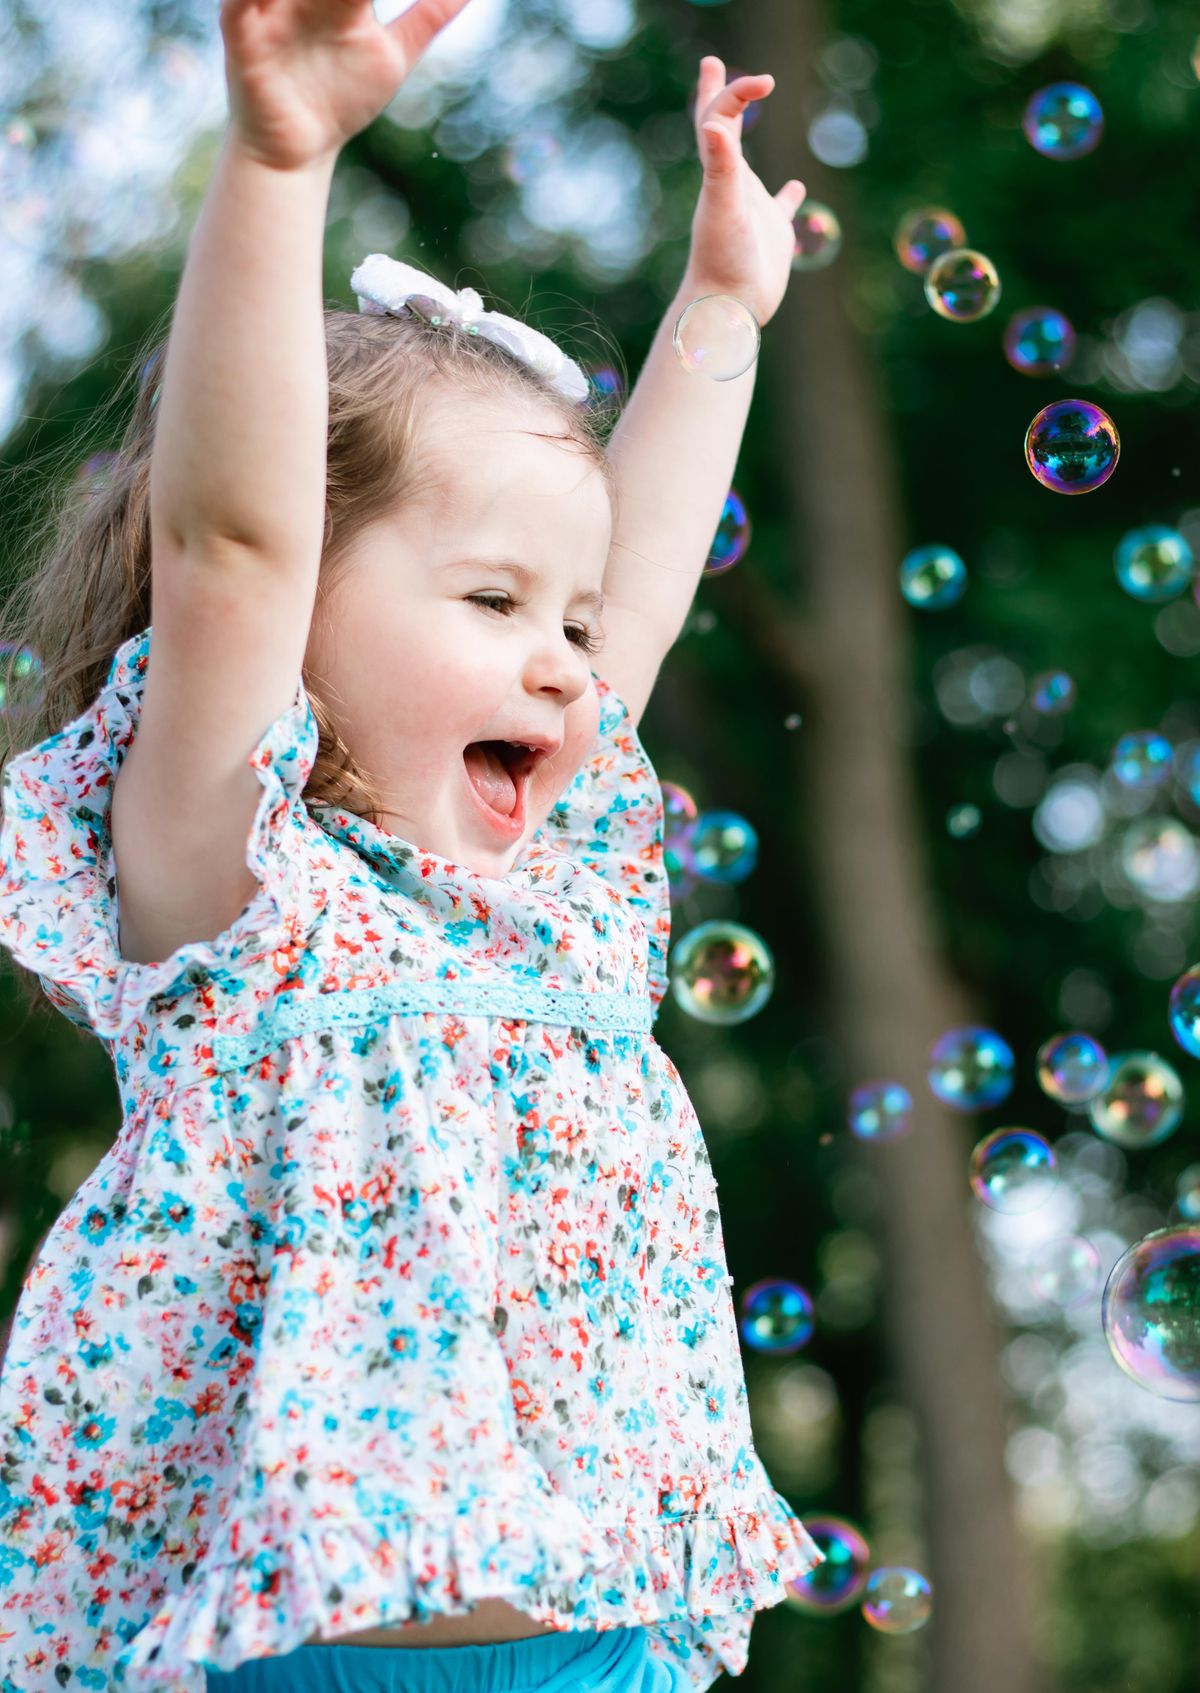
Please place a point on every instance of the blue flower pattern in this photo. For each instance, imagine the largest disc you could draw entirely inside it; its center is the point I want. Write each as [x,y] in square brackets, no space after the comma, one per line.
[403,1285]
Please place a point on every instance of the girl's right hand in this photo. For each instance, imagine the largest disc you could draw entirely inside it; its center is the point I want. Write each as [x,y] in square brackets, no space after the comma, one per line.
[306,75]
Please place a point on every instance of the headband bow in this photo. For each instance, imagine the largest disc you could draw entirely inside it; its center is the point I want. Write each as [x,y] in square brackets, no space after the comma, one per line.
[384,287]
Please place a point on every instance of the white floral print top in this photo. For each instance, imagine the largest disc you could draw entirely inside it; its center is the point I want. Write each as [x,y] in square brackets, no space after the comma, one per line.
[403,1285]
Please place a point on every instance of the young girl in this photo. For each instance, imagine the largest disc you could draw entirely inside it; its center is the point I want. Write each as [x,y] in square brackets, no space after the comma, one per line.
[398,1315]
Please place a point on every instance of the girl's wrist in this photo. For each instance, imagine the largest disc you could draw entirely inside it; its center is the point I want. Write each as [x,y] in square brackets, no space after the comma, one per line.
[244,146]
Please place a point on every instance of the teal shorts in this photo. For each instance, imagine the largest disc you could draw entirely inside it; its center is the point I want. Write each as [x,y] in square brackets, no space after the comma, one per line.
[615,1660]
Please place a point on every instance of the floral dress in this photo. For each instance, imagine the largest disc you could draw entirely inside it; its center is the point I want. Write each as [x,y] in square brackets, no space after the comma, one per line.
[403,1285]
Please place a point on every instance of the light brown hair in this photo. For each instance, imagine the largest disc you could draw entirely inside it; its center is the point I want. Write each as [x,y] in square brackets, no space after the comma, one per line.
[88,590]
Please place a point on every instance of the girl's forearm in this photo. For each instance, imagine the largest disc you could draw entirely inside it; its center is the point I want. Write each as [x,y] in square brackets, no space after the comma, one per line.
[239,448]
[674,451]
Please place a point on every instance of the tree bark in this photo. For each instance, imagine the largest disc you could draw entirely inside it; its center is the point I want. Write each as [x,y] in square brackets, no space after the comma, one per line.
[889,989]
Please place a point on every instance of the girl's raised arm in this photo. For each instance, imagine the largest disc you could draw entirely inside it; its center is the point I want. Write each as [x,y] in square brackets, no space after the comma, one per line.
[239,455]
[237,478]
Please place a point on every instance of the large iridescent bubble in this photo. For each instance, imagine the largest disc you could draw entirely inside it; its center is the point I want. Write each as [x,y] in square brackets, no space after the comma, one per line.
[924,235]
[963,285]
[933,577]
[1072,446]
[1063,121]
[1072,1068]
[777,1316]
[1039,341]
[971,1069]
[722,972]
[1013,1170]
[724,846]
[717,336]
[1183,1011]
[1143,1102]
[1154,563]
[879,1111]
[1142,759]
[838,1583]
[732,536]
[897,1600]
[1151,1312]
[818,236]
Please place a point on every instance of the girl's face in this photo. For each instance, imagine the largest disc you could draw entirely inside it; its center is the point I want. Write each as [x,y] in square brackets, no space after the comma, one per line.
[416,666]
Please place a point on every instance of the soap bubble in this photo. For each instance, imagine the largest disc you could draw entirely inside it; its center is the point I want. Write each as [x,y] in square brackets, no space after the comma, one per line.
[525,156]
[1154,563]
[1064,1271]
[933,577]
[1072,1068]
[897,1600]
[22,679]
[1160,859]
[1142,759]
[1051,693]
[777,1316]
[1142,1103]
[1187,1192]
[722,972]
[1184,1011]
[963,821]
[924,235]
[679,815]
[606,388]
[1039,341]
[971,1069]
[838,1583]
[717,336]
[962,285]
[818,236]
[1013,1170]
[880,1111]
[1063,121]
[1151,1312]
[732,537]
[724,846]
[1072,446]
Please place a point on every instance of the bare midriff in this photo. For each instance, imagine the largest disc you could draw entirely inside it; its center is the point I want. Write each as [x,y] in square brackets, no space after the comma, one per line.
[490,1623]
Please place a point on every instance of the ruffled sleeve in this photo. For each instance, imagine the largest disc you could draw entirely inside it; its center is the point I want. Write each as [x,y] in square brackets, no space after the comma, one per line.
[611,818]
[58,882]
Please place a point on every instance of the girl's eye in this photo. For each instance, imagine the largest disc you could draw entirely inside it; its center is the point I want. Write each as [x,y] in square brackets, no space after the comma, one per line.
[585,641]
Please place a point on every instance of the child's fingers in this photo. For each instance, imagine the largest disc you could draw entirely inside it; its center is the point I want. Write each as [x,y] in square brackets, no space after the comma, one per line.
[791,197]
[416,28]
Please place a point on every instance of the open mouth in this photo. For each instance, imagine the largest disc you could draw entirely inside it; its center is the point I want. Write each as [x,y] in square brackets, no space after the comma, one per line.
[499,773]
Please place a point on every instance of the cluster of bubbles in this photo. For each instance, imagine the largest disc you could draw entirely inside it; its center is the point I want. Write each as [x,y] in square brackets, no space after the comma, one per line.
[1150,1312]
[892,1598]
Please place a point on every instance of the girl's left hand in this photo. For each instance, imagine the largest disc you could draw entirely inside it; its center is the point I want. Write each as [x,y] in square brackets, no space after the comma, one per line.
[742,237]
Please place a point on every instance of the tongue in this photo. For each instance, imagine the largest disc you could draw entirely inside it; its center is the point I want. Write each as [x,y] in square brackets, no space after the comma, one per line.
[490,776]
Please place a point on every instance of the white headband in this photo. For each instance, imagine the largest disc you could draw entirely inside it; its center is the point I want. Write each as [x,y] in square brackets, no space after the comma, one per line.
[385,286]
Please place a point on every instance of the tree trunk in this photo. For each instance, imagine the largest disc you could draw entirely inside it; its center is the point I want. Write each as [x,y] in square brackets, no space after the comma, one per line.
[889,990]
